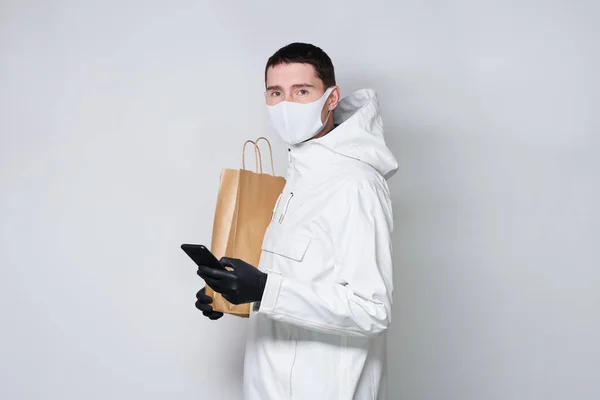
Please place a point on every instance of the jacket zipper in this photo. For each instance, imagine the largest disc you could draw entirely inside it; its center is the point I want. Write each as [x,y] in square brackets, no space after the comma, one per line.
[291,195]
[276,205]
[287,203]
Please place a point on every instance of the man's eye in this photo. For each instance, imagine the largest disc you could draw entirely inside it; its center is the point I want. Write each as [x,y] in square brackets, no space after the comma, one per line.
[276,94]
[302,92]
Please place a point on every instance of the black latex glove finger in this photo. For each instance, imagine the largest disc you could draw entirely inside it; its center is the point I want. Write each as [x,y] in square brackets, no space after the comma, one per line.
[204,271]
[203,304]
[204,307]
[203,297]
[217,286]
[208,311]
[214,273]
[213,314]
[228,262]
[230,297]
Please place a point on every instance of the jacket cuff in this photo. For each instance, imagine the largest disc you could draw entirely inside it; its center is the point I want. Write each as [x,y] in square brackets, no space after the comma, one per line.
[269,298]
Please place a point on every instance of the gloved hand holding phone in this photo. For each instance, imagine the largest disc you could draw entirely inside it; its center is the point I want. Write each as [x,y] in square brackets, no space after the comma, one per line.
[244,284]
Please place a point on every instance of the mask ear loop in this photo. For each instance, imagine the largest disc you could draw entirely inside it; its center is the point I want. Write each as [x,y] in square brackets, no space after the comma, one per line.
[327,118]
[329,112]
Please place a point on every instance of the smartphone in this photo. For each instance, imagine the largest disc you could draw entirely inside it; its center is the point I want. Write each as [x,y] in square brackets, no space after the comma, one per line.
[202,256]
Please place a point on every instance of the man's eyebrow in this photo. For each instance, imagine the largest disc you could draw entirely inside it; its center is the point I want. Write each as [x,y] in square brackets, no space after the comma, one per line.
[295,86]
[301,85]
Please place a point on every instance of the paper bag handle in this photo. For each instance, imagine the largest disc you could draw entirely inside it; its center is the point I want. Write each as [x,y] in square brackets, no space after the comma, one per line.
[270,152]
[256,152]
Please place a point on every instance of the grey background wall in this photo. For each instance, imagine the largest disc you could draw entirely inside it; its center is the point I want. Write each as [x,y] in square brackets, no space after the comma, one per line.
[117,116]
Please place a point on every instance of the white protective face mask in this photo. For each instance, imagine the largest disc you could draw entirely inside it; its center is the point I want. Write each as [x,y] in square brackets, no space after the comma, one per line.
[297,122]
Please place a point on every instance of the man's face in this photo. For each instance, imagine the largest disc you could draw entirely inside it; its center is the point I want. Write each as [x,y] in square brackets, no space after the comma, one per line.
[296,82]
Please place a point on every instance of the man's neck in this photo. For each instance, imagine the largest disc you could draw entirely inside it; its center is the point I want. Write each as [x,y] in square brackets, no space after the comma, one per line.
[328,128]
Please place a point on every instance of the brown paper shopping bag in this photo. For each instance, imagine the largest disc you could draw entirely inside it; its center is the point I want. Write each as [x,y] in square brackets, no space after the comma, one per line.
[245,203]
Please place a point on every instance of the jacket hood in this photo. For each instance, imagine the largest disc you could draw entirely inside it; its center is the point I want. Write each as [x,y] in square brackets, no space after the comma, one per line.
[360,132]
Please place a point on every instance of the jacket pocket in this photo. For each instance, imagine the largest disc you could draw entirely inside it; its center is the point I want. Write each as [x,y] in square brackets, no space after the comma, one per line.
[289,245]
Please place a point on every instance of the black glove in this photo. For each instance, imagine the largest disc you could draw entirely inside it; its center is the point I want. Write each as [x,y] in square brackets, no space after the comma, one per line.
[203,304]
[244,284]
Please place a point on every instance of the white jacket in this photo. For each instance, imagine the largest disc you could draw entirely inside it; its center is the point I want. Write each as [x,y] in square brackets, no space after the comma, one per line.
[319,331]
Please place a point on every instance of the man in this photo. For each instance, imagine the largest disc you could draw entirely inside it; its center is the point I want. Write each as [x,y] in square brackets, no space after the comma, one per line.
[322,294]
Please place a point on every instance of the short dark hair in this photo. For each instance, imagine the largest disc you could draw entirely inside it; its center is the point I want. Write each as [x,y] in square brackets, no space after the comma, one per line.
[304,53]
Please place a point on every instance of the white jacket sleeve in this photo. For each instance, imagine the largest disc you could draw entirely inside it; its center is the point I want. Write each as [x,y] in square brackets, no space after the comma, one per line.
[359,301]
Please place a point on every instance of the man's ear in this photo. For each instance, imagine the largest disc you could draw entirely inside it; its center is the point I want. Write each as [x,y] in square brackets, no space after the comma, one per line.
[334,98]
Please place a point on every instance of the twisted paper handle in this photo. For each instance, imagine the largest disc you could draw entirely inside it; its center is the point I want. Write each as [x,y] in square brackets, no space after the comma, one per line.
[259,164]
[256,152]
